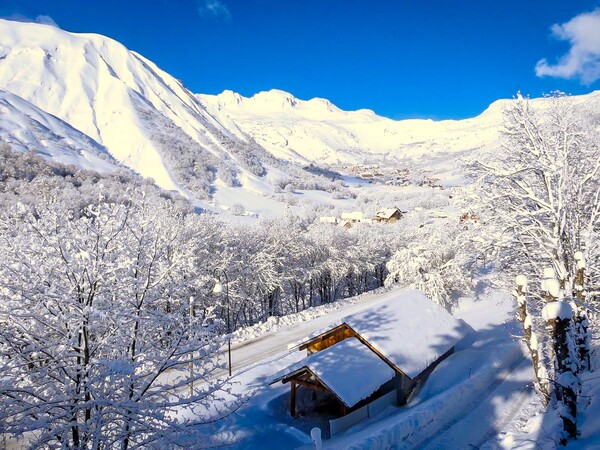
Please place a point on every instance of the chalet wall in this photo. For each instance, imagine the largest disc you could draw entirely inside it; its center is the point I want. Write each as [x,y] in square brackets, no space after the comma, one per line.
[332,337]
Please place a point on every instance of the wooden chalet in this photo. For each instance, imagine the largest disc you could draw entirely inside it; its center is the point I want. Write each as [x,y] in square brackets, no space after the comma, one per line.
[335,371]
[389,215]
[392,345]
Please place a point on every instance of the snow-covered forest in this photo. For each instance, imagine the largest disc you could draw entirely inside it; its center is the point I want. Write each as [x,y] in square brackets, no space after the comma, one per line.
[99,269]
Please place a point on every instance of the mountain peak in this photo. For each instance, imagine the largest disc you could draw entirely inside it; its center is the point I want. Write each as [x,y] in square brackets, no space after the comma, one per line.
[276,97]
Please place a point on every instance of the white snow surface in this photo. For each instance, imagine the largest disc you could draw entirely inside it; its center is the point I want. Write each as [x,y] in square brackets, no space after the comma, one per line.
[407,328]
[557,310]
[27,128]
[349,368]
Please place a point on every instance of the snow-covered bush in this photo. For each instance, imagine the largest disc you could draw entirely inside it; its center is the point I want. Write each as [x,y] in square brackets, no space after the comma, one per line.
[237,209]
[433,261]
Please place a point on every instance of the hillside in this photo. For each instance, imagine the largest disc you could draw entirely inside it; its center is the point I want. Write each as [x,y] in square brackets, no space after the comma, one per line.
[75,97]
[317,131]
[145,119]
[26,127]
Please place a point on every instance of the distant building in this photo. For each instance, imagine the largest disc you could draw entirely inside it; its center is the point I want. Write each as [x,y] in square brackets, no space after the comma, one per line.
[469,217]
[328,219]
[345,223]
[389,215]
[354,216]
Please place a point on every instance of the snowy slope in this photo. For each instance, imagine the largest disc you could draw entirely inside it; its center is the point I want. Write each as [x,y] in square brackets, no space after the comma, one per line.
[25,127]
[113,95]
[318,131]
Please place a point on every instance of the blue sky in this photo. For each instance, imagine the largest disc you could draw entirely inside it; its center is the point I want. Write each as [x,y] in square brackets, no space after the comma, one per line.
[417,58]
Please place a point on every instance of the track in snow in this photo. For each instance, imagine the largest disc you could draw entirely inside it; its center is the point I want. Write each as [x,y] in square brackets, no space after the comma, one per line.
[505,397]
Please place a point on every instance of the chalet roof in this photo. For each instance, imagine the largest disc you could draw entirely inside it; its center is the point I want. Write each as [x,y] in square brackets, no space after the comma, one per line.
[387,213]
[349,369]
[327,219]
[406,328]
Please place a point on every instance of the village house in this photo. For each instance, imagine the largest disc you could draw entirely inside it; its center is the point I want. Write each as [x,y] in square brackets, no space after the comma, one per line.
[389,215]
[354,216]
[328,219]
[345,223]
[383,351]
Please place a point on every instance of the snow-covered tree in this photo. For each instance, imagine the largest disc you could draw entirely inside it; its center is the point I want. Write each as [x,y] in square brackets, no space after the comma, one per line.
[434,261]
[96,340]
[541,212]
[542,191]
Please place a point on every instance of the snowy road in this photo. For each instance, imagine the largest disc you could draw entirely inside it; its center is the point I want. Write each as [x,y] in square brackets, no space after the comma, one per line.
[247,353]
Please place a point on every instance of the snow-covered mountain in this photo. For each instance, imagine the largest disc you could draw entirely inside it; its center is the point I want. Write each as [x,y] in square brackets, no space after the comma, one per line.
[318,131]
[26,127]
[88,100]
[145,118]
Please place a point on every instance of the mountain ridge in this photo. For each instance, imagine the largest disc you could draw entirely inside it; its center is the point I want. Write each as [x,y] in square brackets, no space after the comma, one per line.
[96,97]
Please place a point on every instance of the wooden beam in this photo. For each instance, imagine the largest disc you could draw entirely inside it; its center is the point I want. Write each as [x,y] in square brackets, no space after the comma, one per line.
[314,386]
[344,410]
[320,338]
[293,400]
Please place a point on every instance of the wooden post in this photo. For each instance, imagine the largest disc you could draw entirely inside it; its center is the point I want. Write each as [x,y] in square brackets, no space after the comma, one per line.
[530,337]
[581,319]
[567,395]
[558,315]
[293,399]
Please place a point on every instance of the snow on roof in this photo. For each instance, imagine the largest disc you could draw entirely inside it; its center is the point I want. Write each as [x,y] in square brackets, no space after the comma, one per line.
[327,219]
[409,330]
[349,369]
[354,215]
[387,213]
